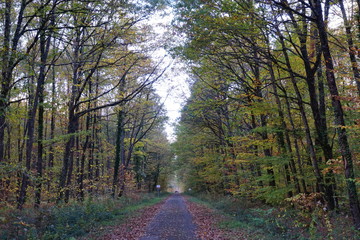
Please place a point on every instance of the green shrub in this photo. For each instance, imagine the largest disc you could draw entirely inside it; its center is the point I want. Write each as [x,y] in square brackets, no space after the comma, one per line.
[261,223]
[69,221]
[76,220]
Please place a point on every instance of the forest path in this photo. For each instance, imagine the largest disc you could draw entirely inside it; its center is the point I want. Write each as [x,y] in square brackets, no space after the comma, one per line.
[173,222]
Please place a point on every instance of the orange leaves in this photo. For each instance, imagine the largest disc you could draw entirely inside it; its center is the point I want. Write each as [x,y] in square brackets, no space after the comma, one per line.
[347,98]
[133,228]
[334,166]
[306,202]
[207,221]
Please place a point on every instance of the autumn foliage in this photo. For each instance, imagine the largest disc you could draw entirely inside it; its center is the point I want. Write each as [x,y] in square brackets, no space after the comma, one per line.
[274,108]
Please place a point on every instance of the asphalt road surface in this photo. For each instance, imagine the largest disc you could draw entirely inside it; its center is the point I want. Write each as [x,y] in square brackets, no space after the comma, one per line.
[173,222]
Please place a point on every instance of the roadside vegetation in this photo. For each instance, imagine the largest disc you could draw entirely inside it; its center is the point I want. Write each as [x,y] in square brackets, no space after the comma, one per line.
[255,220]
[273,113]
[73,220]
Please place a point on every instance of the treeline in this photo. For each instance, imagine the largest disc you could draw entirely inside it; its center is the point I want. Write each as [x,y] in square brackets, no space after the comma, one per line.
[274,106]
[78,112]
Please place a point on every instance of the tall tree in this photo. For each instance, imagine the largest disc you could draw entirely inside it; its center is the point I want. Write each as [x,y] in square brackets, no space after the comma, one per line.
[338,114]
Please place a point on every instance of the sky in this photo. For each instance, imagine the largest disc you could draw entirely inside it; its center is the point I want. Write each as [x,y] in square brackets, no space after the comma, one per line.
[174,91]
[172,88]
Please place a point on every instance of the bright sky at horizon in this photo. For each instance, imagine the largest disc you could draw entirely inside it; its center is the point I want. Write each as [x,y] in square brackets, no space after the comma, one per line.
[173,87]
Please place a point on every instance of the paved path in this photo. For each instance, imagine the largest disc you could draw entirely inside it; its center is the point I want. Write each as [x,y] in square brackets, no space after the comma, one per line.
[173,222]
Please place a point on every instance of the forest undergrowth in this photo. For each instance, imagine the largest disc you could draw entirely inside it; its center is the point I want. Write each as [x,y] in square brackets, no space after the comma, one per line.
[259,221]
[72,220]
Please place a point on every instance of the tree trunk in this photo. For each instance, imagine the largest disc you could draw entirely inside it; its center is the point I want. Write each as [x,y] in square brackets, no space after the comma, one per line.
[296,144]
[339,117]
[264,134]
[73,118]
[320,125]
[119,154]
[6,75]
[66,171]
[256,167]
[52,128]
[311,148]
[44,52]
[37,101]
[352,50]
[358,24]
[281,137]
[10,60]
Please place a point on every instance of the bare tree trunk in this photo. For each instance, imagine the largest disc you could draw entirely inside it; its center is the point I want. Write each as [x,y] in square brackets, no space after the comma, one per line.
[52,128]
[81,168]
[283,135]
[358,24]
[10,58]
[73,118]
[37,101]
[296,144]
[339,116]
[256,165]
[311,148]
[264,134]
[120,151]
[310,69]
[330,183]
[6,75]
[96,137]
[352,50]
[44,52]
[66,172]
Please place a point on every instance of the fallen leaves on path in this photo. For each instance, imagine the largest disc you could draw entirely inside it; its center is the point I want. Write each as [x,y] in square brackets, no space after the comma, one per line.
[134,227]
[207,221]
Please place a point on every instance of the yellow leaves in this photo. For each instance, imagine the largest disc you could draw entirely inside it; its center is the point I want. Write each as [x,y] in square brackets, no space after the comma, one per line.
[239,161]
[350,127]
[334,166]
[243,157]
[249,96]
[198,160]
[251,141]
[306,202]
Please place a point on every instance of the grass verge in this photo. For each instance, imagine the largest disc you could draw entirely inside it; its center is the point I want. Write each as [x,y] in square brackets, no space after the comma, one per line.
[71,221]
[266,222]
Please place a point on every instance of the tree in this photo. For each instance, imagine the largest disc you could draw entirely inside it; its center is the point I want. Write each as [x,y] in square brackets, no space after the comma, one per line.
[272,57]
[85,50]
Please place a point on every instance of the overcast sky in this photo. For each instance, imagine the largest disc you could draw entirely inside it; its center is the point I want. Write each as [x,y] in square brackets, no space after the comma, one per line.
[173,87]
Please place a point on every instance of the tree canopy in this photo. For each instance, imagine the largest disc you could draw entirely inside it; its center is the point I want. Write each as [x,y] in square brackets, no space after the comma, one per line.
[273,112]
